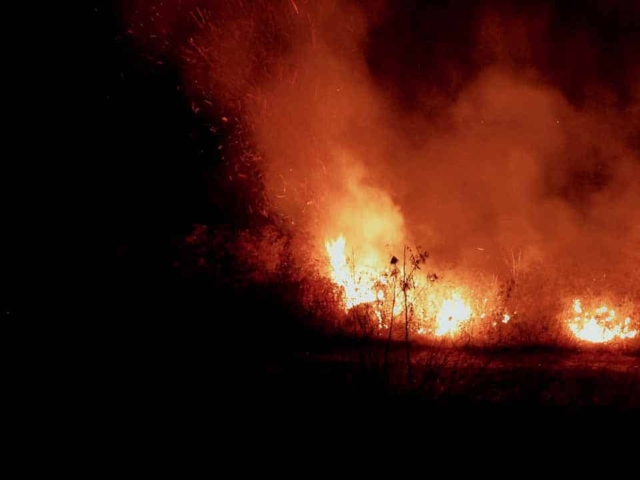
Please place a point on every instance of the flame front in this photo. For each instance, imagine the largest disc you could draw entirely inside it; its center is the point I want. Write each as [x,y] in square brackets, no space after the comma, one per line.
[444,309]
[358,283]
[600,326]
[452,315]
[362,283]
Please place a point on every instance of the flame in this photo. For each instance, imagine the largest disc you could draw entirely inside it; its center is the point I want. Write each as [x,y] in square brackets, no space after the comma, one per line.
[359,283]
[453,313]
[600,326]
[439,309]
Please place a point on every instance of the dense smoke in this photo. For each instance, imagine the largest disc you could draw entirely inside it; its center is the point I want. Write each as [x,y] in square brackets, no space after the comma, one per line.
[476,130]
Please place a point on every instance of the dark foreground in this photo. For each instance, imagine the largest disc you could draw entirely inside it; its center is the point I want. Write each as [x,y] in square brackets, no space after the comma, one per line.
[327,383]
[194,380]
[443,377]
[255,374]
[452,393]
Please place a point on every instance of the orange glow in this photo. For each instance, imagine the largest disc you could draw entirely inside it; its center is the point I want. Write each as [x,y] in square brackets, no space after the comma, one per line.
[601,325]
[453,313]
[364,282]
[359,282]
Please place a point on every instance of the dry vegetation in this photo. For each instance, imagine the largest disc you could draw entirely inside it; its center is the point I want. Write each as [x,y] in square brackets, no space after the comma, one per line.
[309,343]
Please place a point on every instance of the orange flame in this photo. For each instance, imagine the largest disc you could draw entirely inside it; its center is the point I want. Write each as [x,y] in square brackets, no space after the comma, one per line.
[362,282]
[453,313]
[359,282]
[600,326]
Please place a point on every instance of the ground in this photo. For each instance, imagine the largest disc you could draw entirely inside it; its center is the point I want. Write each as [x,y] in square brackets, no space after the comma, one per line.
[450,376]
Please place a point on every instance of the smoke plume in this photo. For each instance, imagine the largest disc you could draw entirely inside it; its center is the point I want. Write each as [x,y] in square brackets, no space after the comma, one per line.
[477,130]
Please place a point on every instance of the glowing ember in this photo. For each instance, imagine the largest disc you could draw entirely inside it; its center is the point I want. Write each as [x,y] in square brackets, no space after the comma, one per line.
[599,326]
[452,315]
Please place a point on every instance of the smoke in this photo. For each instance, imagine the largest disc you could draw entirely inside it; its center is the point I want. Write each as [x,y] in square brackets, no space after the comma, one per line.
[474,130]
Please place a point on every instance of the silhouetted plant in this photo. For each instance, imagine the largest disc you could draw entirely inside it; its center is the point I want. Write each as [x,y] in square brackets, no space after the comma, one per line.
[407,283]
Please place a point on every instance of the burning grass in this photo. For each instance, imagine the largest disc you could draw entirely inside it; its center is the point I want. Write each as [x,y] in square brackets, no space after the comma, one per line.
[389,299]
[600,325]
[328,328]
[450,308]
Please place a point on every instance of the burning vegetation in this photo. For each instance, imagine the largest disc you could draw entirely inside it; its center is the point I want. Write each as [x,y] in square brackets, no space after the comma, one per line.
[447,311]
[523,191]
[600,325]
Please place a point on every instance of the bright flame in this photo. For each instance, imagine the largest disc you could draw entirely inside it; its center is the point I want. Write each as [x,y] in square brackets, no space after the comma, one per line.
[453,313]
[359,284]
[364,282]
[601,326]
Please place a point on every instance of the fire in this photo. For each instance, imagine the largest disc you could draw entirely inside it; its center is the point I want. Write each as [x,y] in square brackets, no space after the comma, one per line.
[359,283]
[453,313]
[600,326]
[439,309]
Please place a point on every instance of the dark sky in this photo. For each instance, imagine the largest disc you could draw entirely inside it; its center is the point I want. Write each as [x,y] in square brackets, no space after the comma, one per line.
[573,45]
